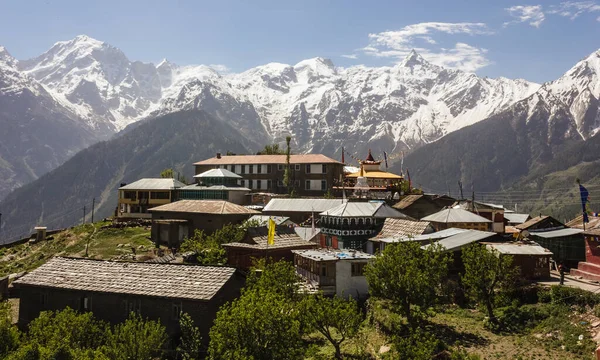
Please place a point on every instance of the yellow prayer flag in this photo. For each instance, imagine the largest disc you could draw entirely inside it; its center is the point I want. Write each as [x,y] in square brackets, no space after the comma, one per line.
[271,237]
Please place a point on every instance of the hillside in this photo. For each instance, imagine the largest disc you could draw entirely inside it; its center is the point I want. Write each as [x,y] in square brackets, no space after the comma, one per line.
[172,141]
[103,243]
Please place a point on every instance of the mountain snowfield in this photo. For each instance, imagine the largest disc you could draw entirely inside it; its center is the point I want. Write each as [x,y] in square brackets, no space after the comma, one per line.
[321,106]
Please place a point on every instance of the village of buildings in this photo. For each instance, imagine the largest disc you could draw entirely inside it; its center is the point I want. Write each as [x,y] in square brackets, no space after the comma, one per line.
[339,219]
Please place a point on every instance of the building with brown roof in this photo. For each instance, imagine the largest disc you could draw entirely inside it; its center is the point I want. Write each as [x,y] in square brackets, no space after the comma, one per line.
[310,174]
[394,229]
[255,246]
[111,290]
[419,206]
[171,223]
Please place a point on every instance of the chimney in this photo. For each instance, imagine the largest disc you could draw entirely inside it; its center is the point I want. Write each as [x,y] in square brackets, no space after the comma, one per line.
[218,155]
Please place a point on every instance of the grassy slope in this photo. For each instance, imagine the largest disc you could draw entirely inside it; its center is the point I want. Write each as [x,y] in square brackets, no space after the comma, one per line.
[103,244]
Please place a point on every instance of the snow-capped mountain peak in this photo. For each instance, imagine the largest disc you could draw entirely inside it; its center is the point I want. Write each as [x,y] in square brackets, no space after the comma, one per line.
[6,58]
[414,59]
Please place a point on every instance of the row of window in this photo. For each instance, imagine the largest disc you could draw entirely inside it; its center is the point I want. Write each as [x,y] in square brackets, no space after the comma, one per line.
[132,195]
[315,185]
[267,168]
[332,220]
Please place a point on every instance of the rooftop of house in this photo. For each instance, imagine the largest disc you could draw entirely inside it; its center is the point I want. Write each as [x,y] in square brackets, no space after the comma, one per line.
[407,201]
[401,228]
[515,218]
[519,249]
[460,240]
[374,174]
[218,173]
[267,159]
[556,233]
[215,188]
[537,220]
[455,215]
[333,255]
[220,207]
[594,222]
[285,238]
[364,209]
[263,220]
[131,278]
[153,184]
[442,234]
[301,205]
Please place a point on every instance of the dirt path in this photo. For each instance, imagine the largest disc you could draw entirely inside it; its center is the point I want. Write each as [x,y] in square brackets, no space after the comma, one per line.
[571,282]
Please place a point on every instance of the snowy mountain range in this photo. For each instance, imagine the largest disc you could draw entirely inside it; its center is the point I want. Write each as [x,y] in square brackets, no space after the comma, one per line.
[321,106]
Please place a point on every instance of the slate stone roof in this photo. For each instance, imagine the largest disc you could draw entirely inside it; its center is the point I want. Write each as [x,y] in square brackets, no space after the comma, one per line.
[455,215]
[221,207]
[400,228]
[407,201]
[285,238]
[143,279]
[153,184]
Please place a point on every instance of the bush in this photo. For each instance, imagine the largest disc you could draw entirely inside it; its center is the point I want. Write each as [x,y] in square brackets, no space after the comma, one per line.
[516,318]
[9,334]
[418,345]
[573,296]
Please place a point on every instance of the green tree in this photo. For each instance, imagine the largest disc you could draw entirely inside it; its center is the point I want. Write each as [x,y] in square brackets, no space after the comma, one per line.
[167,174]
[279,277]
[29,351]
[486,272]
[335,318]
[54,330]
[190,346]
[9,334]
[273,149]
[208,248]
[258,325]
[136,339]
[409,277]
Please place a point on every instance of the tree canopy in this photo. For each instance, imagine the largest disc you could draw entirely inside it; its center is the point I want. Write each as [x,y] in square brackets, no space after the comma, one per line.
[409,277]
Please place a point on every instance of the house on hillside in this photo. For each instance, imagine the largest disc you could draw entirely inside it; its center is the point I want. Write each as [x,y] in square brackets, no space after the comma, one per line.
[492,212]
[255,246]
[136,198]
[419,206]
[393,229]
[310,174]
[299,210]
[111,290]
[532,259]
[171,223]
[458,218]
[216,184]
[351,224]
[334,272]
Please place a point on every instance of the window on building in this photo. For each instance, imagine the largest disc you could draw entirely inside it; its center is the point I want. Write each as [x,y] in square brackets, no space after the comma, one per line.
[129,195]
[177,310]
[324,169]
[250,184]
[258,184]
[368,222]
[307,185]
[297,167]
[280,167]
[86,303]
[243,169]
[323,185]
[308,168]
[164,195]
[269,169]
[251,169]
[328,241]
[353,222]
[323,270]
[269,183]
[358,269]
[259,169]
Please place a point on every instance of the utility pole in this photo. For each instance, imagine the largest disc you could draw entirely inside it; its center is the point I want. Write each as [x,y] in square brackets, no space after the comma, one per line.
[83,220]
[460,188]
[93,204]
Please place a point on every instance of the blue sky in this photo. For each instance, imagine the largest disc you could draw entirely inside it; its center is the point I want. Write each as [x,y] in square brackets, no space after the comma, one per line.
[537,41]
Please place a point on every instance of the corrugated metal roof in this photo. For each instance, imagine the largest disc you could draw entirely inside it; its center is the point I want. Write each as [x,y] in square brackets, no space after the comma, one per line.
[153,184]
[204,207]
[215,188]
[301,205]
[333,255]
[556,233]
[133,278]
[455,215]
[519,249]
[427,237]
[458,241]
[307,232]
[268,159]
[218,173]
[364,209]
[515,218]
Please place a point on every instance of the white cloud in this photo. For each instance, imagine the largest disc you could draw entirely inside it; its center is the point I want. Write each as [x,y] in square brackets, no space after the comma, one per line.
[532,14]
[351,56]
[419,37]
[220,68]
[572,9]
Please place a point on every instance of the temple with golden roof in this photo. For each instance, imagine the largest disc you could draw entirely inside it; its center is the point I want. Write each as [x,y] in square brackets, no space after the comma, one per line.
[372,177]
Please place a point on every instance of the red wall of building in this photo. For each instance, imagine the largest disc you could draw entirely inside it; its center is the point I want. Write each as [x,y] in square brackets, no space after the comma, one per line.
[592,249]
